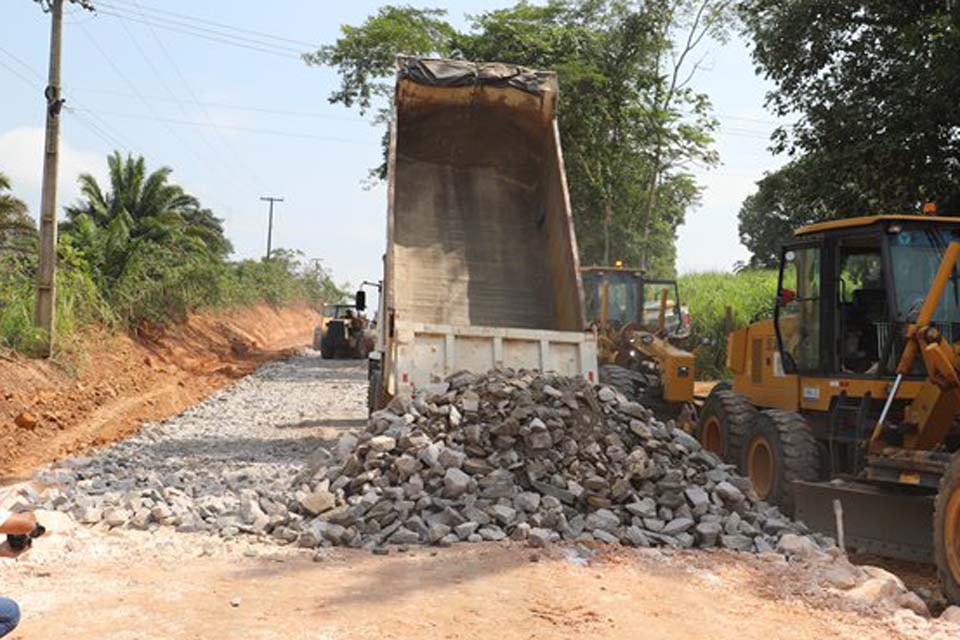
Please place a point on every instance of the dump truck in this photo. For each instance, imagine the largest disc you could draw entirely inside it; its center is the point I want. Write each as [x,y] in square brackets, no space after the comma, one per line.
[844,405]
[481,267]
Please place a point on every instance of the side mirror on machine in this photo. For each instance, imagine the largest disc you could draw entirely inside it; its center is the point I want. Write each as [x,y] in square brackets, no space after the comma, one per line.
[361,300]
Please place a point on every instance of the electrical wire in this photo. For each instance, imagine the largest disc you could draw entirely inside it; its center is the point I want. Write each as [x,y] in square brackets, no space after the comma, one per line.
[36,85]
[18,74]
[217,155]
[143,7]
[190,25]
[185,145]
[207,34]
[273,132]
[235,107]
[232,152]
[24,65]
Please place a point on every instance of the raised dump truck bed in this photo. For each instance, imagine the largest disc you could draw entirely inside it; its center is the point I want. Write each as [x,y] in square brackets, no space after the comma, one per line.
[481,266]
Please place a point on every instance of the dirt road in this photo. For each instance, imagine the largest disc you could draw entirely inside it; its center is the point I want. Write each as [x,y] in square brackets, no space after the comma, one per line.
[124,584]
[479,591]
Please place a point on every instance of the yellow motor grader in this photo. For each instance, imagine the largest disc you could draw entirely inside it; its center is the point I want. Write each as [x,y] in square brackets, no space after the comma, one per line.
[844,406]
[641,327]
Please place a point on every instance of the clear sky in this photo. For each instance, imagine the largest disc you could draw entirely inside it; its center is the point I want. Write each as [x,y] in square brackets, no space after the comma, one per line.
[238,123]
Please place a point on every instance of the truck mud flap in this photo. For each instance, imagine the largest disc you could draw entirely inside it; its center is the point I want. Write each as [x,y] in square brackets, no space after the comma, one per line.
[886,521]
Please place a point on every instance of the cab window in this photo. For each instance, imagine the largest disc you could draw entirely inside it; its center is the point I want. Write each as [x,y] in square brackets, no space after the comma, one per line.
[798,309]
[862,315]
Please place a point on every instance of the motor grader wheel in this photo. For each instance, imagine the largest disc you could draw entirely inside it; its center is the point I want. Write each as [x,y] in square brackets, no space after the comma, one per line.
[723,424]
[780,448]
[946,531]
[622,379]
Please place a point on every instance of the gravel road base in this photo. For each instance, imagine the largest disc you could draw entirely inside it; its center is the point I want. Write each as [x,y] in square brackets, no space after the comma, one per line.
[224,466]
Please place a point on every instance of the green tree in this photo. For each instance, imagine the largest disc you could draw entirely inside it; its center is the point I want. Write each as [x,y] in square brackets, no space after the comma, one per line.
[870,85]
[629,122]
[791,197]
[18,235]
[110,228]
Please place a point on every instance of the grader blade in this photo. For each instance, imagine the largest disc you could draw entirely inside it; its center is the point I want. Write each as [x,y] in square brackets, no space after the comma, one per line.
[890,522]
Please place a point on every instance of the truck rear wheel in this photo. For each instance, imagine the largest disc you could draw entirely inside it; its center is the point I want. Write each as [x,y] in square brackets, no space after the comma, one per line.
[779,450]
[724,421]
[946,531]
[373,392]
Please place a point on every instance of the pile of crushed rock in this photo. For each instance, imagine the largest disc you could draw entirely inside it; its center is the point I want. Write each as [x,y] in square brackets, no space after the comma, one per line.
[534,457]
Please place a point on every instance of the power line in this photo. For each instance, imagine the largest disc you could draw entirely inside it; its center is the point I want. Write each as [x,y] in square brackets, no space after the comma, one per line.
[208,34]
[136,91]
[232,152]
[234,107]
[142,7]
[190,25]
[274,132]
[101,132]
[96,129]
[20,75]
[163,83]
[36,74]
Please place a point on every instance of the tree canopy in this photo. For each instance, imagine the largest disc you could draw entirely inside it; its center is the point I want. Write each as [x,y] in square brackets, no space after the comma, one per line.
[18,235]
[871,84]
[630,124]
[140,213]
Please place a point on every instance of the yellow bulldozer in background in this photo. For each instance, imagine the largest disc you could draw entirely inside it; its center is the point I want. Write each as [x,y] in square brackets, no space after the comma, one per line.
[641,327]
[847,400]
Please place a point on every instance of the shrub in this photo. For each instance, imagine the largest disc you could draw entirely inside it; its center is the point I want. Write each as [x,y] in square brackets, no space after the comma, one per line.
[750,293]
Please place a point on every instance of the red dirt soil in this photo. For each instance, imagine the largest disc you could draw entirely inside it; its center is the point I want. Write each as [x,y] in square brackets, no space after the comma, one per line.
[48,412]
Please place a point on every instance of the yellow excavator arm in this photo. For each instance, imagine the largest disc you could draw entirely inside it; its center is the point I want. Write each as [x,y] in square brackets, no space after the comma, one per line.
[931,413]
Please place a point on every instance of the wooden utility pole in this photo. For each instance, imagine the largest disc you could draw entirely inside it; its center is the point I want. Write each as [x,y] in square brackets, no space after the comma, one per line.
[46,274]
[271,200]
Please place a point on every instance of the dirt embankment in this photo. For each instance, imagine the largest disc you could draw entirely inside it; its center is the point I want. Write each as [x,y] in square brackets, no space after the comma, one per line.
[48,411]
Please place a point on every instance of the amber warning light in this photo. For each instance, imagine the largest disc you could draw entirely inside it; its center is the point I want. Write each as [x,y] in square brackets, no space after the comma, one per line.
[930,208]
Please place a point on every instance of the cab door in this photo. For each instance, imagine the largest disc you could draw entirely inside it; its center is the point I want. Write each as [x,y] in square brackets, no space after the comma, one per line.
[798,316]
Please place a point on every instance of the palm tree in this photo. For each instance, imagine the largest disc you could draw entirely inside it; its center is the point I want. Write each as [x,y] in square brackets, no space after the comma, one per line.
[109,227]
[17,232]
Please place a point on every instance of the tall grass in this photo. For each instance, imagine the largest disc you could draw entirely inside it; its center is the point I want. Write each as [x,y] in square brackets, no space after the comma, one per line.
[749,293]
[78,303]
[157,287]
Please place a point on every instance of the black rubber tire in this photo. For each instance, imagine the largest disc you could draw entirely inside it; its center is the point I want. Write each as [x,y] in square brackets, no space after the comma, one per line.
[723,385]
[373,392]
[620,378]
[361,352]
[326,351]
[793,449]
[949,486]
[735,415]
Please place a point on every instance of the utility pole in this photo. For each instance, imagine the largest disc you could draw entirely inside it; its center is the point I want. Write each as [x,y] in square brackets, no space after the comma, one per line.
[271,200]
[46,274]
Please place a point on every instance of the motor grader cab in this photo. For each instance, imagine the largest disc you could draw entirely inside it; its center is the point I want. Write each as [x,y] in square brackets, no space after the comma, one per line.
[849,395]
[640,323]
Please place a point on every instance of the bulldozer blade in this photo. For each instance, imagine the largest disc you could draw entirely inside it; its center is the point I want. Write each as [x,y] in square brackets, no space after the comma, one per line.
[886,521]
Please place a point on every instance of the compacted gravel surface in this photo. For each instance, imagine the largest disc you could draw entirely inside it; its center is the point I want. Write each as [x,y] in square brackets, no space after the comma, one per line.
[204,469]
